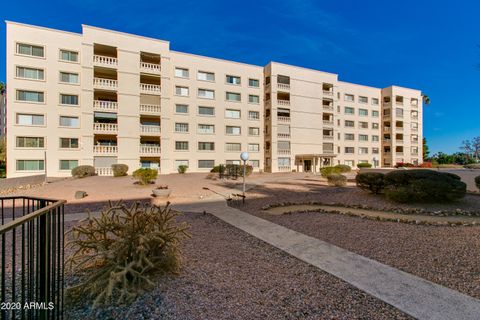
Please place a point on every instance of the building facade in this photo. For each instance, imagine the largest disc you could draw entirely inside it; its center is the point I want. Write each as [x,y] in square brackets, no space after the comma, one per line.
[103,97]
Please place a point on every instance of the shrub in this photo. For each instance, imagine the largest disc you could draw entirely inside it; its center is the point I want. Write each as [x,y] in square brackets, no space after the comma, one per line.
[145,175]
[423,186]
[325,171]
[216,169]
[404,165]
[83,171]
[233,169]
[426,165]
[182,168]
[122,249]
[119,170]
[364,165]
[477,182]
[472,166]
[343,168]
[337,180]
[371,181]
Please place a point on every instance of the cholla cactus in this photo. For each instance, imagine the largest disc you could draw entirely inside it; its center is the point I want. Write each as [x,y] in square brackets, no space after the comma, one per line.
[122,249]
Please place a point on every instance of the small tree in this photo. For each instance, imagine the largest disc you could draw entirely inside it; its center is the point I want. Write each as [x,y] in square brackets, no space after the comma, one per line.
[145,175]
[3,151]
[426,151]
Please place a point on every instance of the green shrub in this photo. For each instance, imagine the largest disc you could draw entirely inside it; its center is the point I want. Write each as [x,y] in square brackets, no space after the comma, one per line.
[120,252]
[371,181]
[233,169]
[423,186]
[364,165]
[477,182]
[182,168]
[325,171]
[337,180]
[343,168]
[83,171]
[472,166]
[216,169]
[119,170]
[145,175]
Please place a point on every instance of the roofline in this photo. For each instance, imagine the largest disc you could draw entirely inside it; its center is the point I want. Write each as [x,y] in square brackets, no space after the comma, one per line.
[217,59]
[43,28]
[394,86]
[357,84]
[126,34]
[299,67]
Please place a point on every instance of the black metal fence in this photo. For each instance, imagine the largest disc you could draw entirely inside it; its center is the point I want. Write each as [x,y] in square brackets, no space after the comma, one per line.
[32,258]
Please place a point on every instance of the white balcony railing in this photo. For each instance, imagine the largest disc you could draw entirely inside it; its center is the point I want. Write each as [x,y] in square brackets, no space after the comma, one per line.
[328,122]
[283,102]
[283,86]
[104,171]
[327,93]
[107,84]
[149,88]
[105,149]
[105,127]
[283,151]
[327,107]
[283,119]
[150,108]
[284,168]
[329,151]
[150,67]
[386,129]
[105,105]
[104,61]
[150,150]
[152,129]
[283,135]
[328,137]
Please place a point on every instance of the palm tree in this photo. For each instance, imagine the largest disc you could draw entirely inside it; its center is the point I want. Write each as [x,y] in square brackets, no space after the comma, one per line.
[426,99]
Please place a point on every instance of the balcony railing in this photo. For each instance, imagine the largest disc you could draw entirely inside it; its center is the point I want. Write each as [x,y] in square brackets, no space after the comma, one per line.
[105,127]
[150,67]
[105,105]
[283,135]
[104,61]
[150,109]
[329,151]
[150,129]
[284,168]
[104,171]
[399,128]
[328,122]
[414,129]
[399,141]
[328,137]
[328,92]
[283,86]
[283,119]
[149,88]
[106,84]
[105,149]
[283,102]
[399,153]
[150,150]
[387,129]
[283,151]
[328,107]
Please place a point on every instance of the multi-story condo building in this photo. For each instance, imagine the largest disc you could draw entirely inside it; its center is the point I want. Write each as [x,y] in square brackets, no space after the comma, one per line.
[103,97]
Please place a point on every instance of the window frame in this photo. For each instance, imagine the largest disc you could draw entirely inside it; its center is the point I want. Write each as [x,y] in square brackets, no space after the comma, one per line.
[31,79]
[68,61]
[17,43]
[60,116]
[33,137]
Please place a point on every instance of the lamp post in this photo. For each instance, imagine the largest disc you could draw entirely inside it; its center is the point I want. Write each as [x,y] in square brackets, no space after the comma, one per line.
[244,157]
[374,162]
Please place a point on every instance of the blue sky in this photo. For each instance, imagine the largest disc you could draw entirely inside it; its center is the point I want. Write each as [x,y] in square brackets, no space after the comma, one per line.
[427,45]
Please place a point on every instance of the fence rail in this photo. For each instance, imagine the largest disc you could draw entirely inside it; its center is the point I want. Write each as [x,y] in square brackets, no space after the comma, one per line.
[32,257]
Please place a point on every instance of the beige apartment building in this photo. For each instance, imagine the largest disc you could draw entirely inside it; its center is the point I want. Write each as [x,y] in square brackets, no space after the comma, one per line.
[103,97]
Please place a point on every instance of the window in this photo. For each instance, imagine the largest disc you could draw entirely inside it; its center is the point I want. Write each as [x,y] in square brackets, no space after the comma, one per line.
[205,76]
[349,136]
[349,123]
[253,131]
[206,111]
[349,150]
[362,99]
[267,80]
[67,77]
[72,122]
[30,50]
[253,115]
[414,138]
[414,150]
[349,97]
[206,146]
[67,55]
[254,163]
[349,110]
[69,99]
[284,162]
[349,163]
[68,164]
[181,108]
[386,99]
[181,127]
[30,165]
[206,164]
[181,72]
[253,147]
[30,119]
[375,138]
[362,137]
[181,91]
[375,114]
[233,147]
[206,94]
[30,142]
[253,83]
[30,96]
[375,101]
[206,128]
[362,150]
[232,130]
[30,73]
[375,151]
[375,125]
[233,96]
[181,145]
[363,112]
[399,112]
[69,143]
[179,163]
[415,126]
[363,125]
[253,99]
[232,114]
[283,145]
[233,80]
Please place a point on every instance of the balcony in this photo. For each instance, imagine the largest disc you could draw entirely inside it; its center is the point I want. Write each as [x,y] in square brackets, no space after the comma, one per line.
[328,107]
[150,67]
[328,151]
[283,86]
[105,84]
[328,92]
[283,151]
[104,61]
[327,122]
[101,127]
[283,102]
[414,129]
[150,109]
[399,153]
[328,137]
[105,105]
[283,119]
[387,129]
[399,115]
[149,129]
[400,129]
[105,150]
[104,171]
[399,141]
[284,168]
[283,135]
[148,88]
[149,150]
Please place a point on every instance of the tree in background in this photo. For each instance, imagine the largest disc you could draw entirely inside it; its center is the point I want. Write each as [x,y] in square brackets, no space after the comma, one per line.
[426,99]
[3,151]
[426,151]
[472,148]
[2,86]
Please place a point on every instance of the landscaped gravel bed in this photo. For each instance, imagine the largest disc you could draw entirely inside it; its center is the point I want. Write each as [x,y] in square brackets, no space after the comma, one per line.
[228,274]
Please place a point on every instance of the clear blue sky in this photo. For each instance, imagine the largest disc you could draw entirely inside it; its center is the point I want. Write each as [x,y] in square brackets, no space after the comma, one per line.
[427,45]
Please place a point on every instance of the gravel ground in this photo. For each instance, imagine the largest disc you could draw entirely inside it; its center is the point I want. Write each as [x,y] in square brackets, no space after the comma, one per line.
[228,274]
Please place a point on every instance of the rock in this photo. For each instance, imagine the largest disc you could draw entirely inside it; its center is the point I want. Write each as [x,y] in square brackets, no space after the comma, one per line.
[80,194]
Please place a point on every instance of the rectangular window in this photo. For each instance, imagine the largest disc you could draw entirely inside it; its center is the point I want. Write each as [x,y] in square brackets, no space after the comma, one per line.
[206,146]
[363,112]
[362,99]
[253,147]
[253,83]
[232,114]
[30,96]
[349,150]
[233,80]
[206,164]
[232,130]
[206,111]
[69,99]
[68,164]
[375,125]
[253,115]
[284,162]
[181,91]
[30,119]
[363,125]
[30,73]
[230,147]
[375,114]
[181,108]
[30,142]
[206,128]
[375,101]
[349,136]
[68,77]
[362,150]
[66,55]
[253,131]
[375,138]
[72,122]
[181,127]
[362,137]
[181,145]
[349,123]
[253,99]
[69,143]
[399,112]
[375,151]
[349,97]
[179,163]
[206,76]
[206,94]
[233,96]
[30,165]
[181,73]
[349,110]
[30,50]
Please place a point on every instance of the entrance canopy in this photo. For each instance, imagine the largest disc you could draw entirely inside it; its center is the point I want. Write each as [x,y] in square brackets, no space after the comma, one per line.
[312,162]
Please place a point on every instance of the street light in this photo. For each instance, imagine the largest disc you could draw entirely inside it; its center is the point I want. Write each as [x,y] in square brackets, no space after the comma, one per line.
[244,157]
[374,162]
